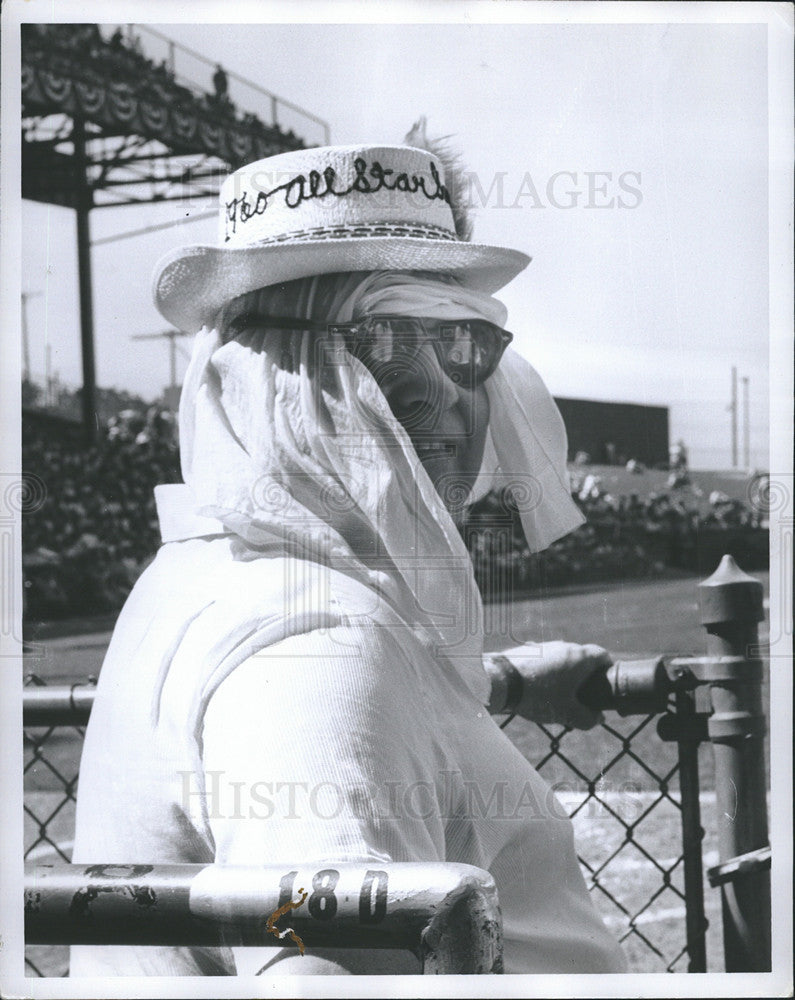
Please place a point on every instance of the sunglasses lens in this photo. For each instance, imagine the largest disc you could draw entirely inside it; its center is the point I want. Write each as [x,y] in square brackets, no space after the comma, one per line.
[468,350]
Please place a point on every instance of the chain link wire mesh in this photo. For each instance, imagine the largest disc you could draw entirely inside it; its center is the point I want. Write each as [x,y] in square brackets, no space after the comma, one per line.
[618,783]
[51,768]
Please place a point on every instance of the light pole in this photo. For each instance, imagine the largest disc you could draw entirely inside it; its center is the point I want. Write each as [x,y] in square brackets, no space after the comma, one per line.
[733,408]
[172,349]
[25,337]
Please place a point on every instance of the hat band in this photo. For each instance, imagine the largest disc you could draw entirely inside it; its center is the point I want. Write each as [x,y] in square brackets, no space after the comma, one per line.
[319,233]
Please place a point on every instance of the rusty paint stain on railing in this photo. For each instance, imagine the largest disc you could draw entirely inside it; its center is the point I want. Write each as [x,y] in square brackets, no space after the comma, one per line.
[448,914]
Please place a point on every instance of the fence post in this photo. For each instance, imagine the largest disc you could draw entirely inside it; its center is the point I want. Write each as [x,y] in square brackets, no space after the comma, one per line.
[688,740]
[731,607]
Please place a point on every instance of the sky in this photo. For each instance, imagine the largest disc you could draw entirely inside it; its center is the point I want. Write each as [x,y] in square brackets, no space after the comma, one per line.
[629,160]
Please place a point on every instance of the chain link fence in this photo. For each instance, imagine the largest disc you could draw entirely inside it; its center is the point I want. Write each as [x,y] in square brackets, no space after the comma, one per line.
[619,783]
[51,768]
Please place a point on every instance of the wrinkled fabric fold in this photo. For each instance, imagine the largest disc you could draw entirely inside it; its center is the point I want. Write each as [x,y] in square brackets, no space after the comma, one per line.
[288,442]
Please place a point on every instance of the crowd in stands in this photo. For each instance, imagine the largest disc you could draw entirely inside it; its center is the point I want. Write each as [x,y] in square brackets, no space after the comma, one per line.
[624,537]
[85,544]
[81,50]
[96,529]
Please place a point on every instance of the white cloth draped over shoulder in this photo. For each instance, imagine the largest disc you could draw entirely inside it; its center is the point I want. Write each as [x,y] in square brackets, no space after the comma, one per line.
[312,622]
[289,444]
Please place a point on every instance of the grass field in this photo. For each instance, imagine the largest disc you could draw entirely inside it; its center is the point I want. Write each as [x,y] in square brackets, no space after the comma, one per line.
[631,891]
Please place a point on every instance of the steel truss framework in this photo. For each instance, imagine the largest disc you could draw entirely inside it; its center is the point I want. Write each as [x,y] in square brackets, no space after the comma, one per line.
[120,169]
[102,126]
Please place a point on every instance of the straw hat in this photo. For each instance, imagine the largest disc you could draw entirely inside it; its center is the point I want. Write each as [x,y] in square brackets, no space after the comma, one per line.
[324,210]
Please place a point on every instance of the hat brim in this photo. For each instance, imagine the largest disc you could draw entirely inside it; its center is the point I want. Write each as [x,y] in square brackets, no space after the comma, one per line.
[191,284]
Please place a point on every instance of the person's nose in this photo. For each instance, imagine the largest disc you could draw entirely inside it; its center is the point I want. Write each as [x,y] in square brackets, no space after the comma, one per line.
[420,393]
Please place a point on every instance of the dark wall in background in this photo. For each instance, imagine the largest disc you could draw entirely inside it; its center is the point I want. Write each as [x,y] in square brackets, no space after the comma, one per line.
[635,431]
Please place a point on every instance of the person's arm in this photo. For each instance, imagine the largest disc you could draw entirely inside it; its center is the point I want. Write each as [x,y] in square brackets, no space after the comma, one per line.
[541,681]
[326,962]
[305,739]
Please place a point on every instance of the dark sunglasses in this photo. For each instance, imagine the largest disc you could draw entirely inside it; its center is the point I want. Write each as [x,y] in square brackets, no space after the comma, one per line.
[468,350]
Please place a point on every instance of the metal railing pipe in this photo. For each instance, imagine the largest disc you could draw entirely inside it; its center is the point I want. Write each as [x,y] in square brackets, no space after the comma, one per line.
[630,687]
[61,705]
[448,914]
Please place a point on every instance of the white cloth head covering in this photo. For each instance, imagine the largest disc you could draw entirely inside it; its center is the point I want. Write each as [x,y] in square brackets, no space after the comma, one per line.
[289,443]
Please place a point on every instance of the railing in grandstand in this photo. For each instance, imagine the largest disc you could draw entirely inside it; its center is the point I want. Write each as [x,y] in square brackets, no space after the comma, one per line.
[714,698]
[448,914]
[196,70]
